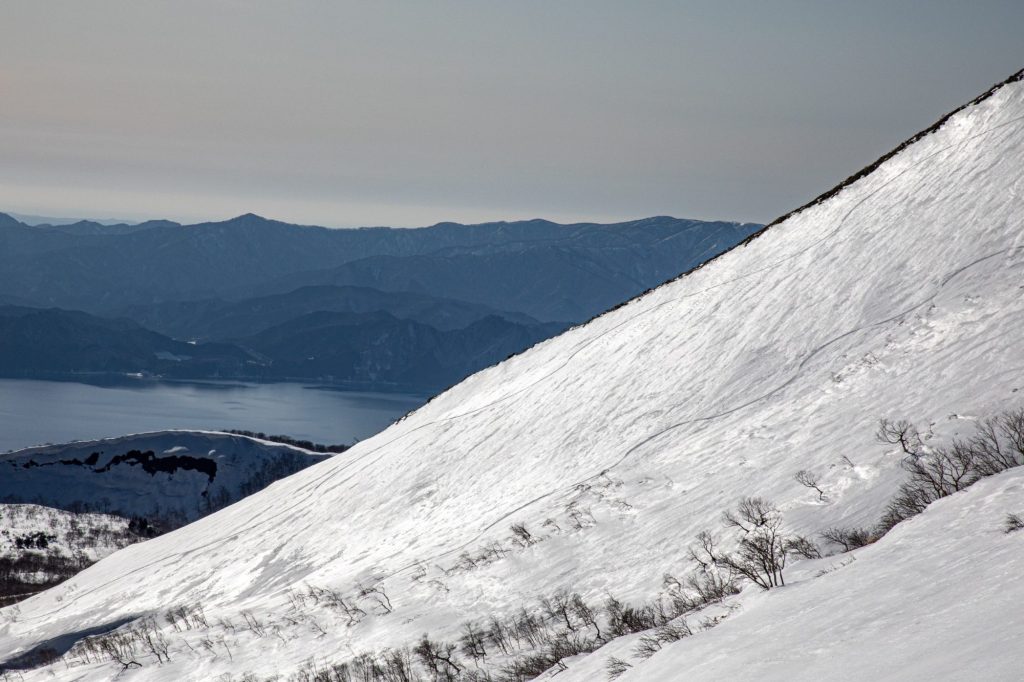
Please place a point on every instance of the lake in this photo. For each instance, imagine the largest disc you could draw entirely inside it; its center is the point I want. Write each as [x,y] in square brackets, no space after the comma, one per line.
[36,412]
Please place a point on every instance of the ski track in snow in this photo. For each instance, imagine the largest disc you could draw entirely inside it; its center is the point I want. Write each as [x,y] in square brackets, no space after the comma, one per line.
[330,476]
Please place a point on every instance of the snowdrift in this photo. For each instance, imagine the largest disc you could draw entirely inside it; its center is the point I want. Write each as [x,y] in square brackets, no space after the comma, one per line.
[612,445]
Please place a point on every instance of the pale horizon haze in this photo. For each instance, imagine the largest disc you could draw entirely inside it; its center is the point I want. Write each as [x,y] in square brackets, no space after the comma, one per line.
[407,114]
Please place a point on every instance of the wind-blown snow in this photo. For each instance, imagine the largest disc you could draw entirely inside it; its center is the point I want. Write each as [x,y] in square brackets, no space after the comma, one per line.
[903,295]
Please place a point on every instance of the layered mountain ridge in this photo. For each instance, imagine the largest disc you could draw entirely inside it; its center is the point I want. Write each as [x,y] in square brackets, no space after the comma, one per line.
[105,271]
[437,303]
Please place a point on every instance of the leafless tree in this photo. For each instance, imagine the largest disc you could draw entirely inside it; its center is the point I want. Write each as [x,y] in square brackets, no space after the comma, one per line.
[901,433]
[761,553]
[154,640]
[120,648]
[379,595]
[473,643]
[558,608]
[809,480]
[586,614]
[438,658]
[999,443]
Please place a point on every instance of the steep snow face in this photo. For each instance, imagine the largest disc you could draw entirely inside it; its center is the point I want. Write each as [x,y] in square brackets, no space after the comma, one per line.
[616,442]
[169,476]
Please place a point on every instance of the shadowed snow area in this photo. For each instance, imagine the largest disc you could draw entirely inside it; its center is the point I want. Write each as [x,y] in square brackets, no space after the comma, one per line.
[901,296]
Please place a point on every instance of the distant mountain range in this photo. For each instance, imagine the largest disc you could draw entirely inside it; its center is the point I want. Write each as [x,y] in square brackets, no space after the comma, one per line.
[551,271]
[377,307]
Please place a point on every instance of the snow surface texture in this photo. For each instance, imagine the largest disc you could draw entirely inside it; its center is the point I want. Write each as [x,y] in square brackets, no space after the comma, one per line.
[170,476]
[901,296]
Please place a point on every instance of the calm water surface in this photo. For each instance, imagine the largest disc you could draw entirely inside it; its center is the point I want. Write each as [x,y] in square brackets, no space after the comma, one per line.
[35,412]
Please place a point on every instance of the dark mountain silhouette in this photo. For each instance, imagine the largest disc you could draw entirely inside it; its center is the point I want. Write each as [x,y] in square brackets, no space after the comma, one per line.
[380,349]
[54,342]
[370,350]
[218,319]
[583,268]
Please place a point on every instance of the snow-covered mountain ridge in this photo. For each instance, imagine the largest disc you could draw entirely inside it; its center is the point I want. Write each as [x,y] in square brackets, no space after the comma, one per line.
[614,444]
[168,477]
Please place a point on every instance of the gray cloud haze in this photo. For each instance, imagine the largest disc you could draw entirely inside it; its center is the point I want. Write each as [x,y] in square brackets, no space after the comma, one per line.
[407,113]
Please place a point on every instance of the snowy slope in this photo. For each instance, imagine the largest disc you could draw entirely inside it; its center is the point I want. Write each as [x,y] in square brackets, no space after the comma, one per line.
[902,295]
[937,599]
[169,476]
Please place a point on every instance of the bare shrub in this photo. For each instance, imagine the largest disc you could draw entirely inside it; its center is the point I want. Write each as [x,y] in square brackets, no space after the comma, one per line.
[614,667]
[652,642]
[647,646]
[802,546]
[711,587]
[909,501]
[253,624]
[939,472]
[1013,522]
[761,553]
[186,617]
[702,588]
[848,538]
[154,640]
[522,536]
[624,619]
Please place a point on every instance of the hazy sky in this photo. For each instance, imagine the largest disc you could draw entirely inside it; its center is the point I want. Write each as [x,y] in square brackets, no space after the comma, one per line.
[408,113]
